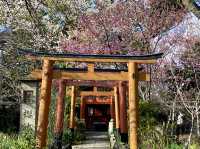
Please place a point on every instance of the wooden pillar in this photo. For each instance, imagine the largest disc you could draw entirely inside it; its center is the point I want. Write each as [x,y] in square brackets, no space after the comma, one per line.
[133,104]
[123,112]
[116,108]
[95,89]
[45,99]
[112,108]
[60,108]
[72,111]
[82,109]
[90,67]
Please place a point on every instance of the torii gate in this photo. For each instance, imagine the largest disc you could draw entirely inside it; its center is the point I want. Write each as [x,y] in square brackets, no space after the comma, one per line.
[116,99]
[132,76]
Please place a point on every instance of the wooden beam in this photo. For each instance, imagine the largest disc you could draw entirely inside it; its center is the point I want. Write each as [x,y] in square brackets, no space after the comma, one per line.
[116,107]
[97,76]
[152,61]
[59,115]
[108,84]
[141,59]
[90,67]
[97,101]
[94,88]
[96,93]
[93,60]
[45,99]
[72,111]
[133,105]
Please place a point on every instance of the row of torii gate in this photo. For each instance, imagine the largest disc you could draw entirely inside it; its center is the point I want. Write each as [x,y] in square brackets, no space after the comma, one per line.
[76,77]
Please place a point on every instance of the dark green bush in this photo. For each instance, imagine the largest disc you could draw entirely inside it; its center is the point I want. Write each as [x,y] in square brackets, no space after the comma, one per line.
[152,134]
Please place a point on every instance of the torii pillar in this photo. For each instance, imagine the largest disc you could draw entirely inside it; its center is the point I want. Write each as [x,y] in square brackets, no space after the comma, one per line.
[60,108]
[72,111]
[112,108]
[82,109]
[123,112]
[116,108]
[44,103]
[133,104]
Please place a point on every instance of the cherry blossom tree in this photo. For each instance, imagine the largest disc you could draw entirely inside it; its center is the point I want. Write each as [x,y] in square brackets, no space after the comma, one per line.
[124,27]
[176,85]
[32,24]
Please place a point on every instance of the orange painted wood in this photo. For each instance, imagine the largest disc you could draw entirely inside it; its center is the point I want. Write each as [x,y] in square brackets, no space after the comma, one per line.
[98,101]
[95,89]
[60,108]
[123,108]
[72,111]
[96,76]
[90,67]
[91,83]
[133,105]
[116,107]
[112,108]
[82,108]
[45,99]
[96,93]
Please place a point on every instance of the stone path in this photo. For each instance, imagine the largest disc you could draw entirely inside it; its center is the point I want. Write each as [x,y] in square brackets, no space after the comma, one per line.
[94,140]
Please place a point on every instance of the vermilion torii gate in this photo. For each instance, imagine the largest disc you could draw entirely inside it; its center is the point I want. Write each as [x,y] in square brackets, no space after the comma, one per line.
[110,98]
[48,73]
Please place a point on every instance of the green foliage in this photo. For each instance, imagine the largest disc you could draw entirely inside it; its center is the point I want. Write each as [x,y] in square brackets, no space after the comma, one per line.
[151,132]
[25,140]
[148,113]
[75,137]
[52,116]
[68,136]
[175,146]
[189,4]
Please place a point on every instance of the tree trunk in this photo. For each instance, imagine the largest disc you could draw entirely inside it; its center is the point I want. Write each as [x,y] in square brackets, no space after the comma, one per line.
[190,135]
[173,117]
[197,117]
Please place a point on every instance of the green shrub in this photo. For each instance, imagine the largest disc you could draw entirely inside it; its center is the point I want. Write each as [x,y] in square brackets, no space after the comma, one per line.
[174,146]
[151,131]
[67,136]
[24,140]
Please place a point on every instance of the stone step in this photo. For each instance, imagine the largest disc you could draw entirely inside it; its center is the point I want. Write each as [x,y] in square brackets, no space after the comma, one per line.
[94,140]
[91,146]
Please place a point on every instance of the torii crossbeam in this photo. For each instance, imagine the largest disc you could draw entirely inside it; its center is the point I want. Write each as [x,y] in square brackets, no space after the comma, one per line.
[48,73]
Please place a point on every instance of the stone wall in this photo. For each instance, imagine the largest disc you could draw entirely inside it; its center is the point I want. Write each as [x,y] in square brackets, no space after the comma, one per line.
[29,104]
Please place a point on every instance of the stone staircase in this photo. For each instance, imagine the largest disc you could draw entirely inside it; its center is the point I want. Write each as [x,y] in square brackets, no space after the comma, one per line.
[94,140]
